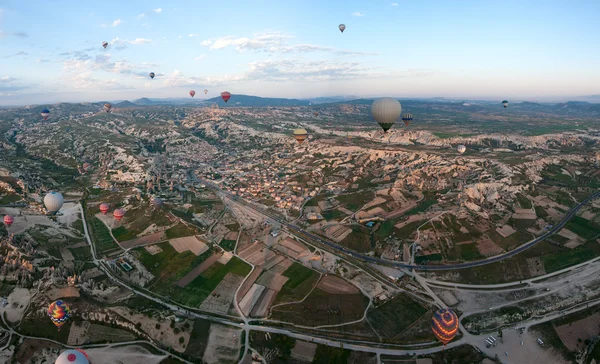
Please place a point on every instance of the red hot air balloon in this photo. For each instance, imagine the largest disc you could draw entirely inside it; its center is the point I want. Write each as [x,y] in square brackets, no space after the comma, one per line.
[118,214]
[226,96]
[192,93]
[444,325]
[8,220]
[104,207]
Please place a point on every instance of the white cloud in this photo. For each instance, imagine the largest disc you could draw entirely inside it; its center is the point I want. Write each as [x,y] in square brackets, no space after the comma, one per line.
[116,23]
[6,79]
[42,61]
[141,16]
[157,11]
[192,35]
[394,4]
[140,41]
[206,42]
[179,37]
[17,34]
[199,57]
[120,44]
[357,13]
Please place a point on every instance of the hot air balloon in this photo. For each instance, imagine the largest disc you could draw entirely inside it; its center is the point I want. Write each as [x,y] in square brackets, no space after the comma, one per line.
[444,325]
[53,202]
[300,135]
[59,312]
[105,44]
[316,113]
[407,118]
[107,107]
[45,113]
[71,356]
[342,27]
[461,149]
[386,112]
[157,202]
[225,96]
[152,75]
[118,214]
[505,103]
[205,92]
[8,220]
[192,93]
[104,207]
[86,166]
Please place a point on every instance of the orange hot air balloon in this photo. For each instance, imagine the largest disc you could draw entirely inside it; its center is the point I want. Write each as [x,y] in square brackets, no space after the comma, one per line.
[316,113]
[192,93]
[59,312]
[444,325]
[118,214]
[8,220]
[300,135]
[225,96]
[104,207]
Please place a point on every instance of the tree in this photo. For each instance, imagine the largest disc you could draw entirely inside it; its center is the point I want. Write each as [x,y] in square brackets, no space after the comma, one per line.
[176,330]
[181,340]
[158,326]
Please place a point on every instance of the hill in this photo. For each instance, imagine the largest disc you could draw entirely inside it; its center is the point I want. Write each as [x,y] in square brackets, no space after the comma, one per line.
[126,104]
[256,101]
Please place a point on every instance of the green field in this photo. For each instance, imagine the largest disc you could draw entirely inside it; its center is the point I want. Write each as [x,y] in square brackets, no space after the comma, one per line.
[421,207]
[180,230]
[228,245]
[566,258]
[5,289]
[45,328]
[469,252]
[395,316]
[198,339]
[355,201]
[524,201]
[359,239]
[122,234]
[82,253]
[428,258]
[101,236]
[332,214]
[583,227]
[301,281]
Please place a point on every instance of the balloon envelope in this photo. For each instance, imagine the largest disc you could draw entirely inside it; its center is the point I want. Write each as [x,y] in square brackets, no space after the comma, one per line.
[59,312]
[107,107]
[105,44]
[205,92]
[86,166]
[225,96]
[386,112]
[53,202]
[342,27]
[118,214]
[444,324]
[45,114]
[152,74]
[316,113]
[407,118]
[300,135]
[157,201]
[8,220]
[72,357]
[104,207]
[505,103]
[192,93]
[461,149]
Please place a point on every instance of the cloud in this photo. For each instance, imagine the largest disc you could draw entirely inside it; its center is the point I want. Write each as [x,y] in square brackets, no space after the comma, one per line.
[7,79]
[140,41]
[116,23]
[394,4]
[192,35]
[357,13]
[42,61]
[10,84]
[272,42]
[77,55]
[199,57]
[17,34]
[19,53]
[179,37]
[157,11]
[141,16]
[120,44]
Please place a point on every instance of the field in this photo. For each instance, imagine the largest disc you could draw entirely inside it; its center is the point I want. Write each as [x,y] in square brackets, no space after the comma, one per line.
[469,252]
[198,339]
[43,327]
[584,228]
[101,236]
[355,201]
[395,316]
[179,231]
[122,234]
[568,257]
[359,239]
[322,308]
[100,333]
[228,245]
[81,253]
[301,281]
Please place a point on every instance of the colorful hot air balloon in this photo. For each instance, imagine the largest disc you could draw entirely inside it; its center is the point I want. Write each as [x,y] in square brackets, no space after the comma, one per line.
[386,112]
[225,96]
[444,325]
[105,44]
[461,149]
[342,27]
[192,93]
[53,202]
[316,113]
[300,135]
[407,118]
[107,107]
[118,214]
[59,313]
[71,356]
[505,103]
[8,220]
[45,113]
[205,92]
[104,207]
[152,75]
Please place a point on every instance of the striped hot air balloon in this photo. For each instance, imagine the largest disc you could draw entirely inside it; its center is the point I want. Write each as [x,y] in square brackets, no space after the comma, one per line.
[104,207]
[444,324]
[386,111]
[505,104]
[45,113]
[8,220]
[118,214]
[407,118]
[59,313]
[300,135]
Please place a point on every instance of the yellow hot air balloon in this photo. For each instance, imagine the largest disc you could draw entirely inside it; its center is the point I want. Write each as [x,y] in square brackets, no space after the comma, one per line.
[300,135]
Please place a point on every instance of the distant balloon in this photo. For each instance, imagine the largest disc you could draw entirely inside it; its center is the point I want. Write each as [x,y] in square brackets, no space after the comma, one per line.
[300,135]
[461,149]
[152,75]
[118,214]
[316,113]
[444,325]
[8,220]
[104,207]
[407,118]
[505,103]
[86,166]
[53,202]
[205,92]
[157,202]
[192,93]
[105,44]
[59,313]
[107,107]
[225,96]
[45,114]
[386,112]
[342,27]
[70,356]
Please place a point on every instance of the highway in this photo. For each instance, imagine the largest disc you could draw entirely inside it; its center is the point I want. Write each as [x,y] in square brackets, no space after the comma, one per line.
[437,267]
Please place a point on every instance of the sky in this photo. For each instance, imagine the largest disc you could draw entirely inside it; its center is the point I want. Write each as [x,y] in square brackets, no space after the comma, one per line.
[401,48]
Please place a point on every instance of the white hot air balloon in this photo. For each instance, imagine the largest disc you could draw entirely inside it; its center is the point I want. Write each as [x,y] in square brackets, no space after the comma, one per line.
[461,149]
[53,202]
[386,111]
[72,357]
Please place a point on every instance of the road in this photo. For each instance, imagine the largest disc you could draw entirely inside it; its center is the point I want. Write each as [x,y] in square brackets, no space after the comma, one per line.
[370,259]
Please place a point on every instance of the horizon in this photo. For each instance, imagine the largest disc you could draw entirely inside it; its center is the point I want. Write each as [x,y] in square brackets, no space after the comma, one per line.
[296,50]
